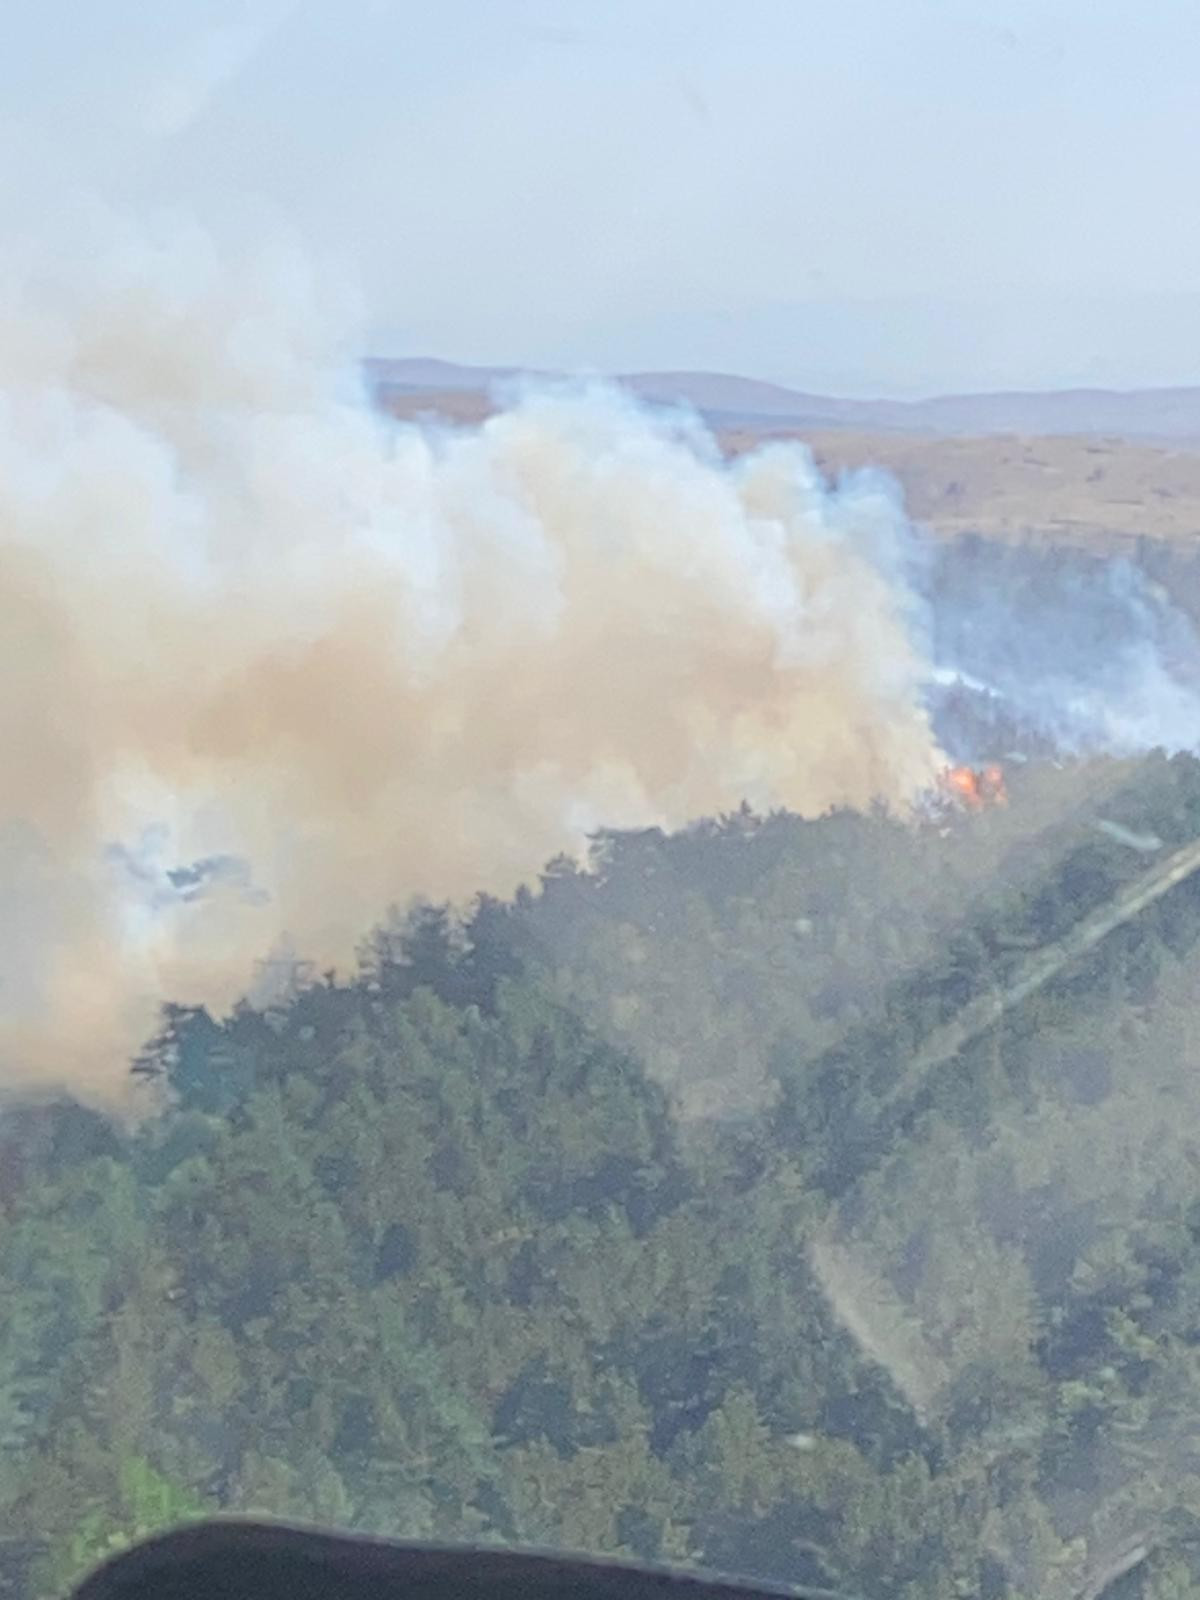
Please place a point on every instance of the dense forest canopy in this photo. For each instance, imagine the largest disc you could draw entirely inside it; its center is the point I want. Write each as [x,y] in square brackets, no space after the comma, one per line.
[615,1217]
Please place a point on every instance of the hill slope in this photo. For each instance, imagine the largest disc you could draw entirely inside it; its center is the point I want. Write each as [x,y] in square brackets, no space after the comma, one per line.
[426,1250]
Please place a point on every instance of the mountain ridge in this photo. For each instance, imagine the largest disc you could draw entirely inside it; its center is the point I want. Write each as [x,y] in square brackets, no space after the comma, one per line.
[1164,414]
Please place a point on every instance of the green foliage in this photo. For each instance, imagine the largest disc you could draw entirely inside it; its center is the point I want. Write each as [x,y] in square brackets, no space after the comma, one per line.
[143,1502]
[614,1217]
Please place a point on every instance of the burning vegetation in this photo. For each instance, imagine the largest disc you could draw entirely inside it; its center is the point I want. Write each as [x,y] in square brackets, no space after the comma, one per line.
[973,788]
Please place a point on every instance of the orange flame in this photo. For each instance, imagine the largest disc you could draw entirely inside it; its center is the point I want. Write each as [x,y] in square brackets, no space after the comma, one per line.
[976,790]
[963,783]
[992,786]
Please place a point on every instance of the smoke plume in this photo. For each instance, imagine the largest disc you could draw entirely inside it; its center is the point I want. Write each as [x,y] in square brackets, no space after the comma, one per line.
[271,662]
[1057,652]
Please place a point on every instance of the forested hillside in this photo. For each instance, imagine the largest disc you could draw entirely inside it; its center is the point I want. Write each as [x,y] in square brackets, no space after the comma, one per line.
[622,1216]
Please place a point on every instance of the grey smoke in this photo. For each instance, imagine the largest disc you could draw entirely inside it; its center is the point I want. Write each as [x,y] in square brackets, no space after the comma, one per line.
[1059,653]
[160,887]
[212,873]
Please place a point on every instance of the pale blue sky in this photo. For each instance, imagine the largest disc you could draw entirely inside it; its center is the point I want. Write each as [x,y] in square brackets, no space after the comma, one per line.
[857,195]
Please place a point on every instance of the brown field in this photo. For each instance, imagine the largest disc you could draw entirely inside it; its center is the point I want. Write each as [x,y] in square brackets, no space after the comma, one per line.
[1103,493]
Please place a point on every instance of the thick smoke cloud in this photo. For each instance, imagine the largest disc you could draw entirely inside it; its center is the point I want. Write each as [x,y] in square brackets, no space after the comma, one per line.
[1057,652]
[270,663]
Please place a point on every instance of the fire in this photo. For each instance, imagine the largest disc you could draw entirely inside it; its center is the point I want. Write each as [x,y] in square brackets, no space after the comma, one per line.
[992,786]
[975,790]
[963,783]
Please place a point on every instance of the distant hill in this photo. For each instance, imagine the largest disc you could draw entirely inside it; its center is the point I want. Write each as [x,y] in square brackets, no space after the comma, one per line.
[718,394]
[1156,414]
[427,372]
[1162,415]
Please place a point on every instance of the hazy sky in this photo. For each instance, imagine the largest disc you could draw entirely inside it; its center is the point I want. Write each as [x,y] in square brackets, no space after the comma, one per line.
[857,195]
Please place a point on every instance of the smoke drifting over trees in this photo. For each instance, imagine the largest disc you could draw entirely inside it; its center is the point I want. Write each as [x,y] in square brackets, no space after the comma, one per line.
[245,619]
[273,662]
[634,1210]
[428,1251]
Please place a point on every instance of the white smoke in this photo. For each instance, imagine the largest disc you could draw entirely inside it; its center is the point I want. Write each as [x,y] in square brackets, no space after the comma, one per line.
[1059,652]
[261,643]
